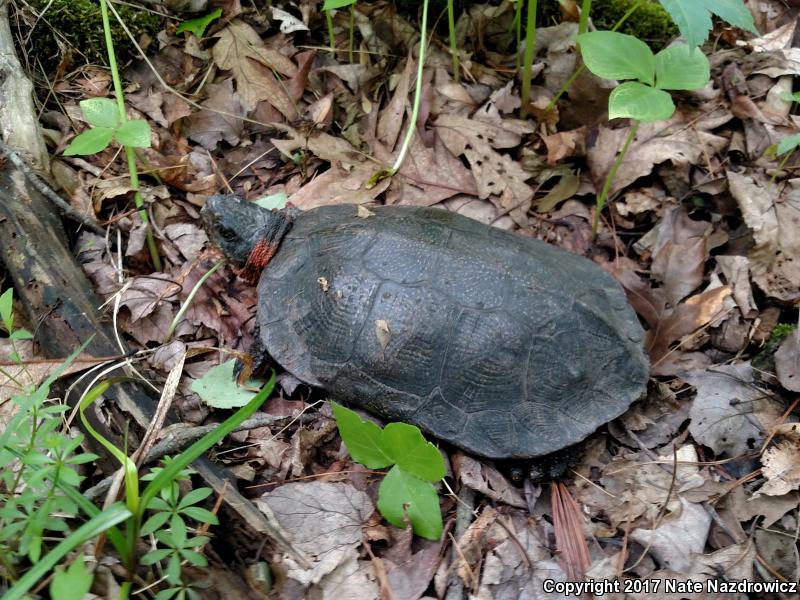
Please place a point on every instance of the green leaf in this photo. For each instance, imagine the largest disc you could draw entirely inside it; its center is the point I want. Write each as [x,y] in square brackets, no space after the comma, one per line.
[167,475]
[198,26]
[100,112]
[412,452]
[194,496]
[362,438]
[613,55]
[6,309]
[21,334]
[218,387]
[331,4]
[401,492]
[103,521]
[72,584]
[788,143]
[278,200]
[134,133]
[636,101]
[681,67]
[90,141]
[693,17]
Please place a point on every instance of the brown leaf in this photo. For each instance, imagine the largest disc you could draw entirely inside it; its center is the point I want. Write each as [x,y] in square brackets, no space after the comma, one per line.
[565,144]
[240,49]
[390,121]
[655,143]
[787,362]
[686,318]
[678,537]
[730,414]
[428,175]
[487,480]
[337,186]
[680,253]
[209,126]
[495,174]
[775,223]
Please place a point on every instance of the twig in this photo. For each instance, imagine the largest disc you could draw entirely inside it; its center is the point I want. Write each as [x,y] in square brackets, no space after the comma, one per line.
[36,181]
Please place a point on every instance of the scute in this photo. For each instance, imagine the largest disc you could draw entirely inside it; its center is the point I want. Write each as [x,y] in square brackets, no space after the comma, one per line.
[502,345]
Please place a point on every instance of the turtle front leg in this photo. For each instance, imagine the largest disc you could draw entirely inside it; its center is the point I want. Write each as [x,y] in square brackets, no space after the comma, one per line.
[259,359]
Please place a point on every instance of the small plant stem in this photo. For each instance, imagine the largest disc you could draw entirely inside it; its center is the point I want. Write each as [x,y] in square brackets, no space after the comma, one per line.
[581,67]
[329,19]
[601,199]
[583,21]
[412,124]
[780,166]
[352,27]
[530,47]
[518,27]
[129,152]
[188,302]
[451,24]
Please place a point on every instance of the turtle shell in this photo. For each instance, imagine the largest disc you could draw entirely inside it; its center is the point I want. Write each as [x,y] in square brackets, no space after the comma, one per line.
[503,345]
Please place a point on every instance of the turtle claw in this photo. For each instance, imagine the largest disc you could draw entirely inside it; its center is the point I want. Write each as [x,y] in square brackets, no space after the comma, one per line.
[253,362]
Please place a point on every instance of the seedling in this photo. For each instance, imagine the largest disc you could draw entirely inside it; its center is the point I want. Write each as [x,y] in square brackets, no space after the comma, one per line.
[407,491]
[613,55]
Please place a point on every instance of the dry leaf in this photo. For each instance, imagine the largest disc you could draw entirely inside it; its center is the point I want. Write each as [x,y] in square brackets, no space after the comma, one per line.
[495,174]
[730,414]
[240,50]
[655,143]
[775,224]
[678,537]
[787,362]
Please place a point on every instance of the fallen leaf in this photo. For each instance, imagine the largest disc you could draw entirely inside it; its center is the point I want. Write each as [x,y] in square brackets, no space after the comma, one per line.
[787,362]
[496,174]
[323,521]
[679,253]
[655,143]
[220,118]
[678,538]
[241,50]
[487,480]
[734,563]
[775,224]
[730,413]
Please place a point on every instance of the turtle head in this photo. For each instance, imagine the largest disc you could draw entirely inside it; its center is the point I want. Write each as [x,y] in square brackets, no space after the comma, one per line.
[247,234]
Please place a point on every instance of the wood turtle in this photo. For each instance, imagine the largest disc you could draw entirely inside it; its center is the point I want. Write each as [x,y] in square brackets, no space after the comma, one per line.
[503,345]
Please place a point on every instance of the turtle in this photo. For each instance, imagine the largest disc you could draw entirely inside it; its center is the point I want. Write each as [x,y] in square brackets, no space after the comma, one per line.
[502,345]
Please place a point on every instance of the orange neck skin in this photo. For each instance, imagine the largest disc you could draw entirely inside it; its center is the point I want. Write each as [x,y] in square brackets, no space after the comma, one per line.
[260,255]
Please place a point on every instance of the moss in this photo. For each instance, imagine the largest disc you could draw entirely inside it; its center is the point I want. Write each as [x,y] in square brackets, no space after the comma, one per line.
[650,23]
[79,24]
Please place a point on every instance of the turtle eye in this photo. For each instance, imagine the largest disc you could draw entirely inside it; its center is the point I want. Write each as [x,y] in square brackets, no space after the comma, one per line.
[227,234]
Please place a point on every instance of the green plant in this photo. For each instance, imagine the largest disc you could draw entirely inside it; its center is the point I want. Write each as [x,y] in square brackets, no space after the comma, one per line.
[172,509]
[38,480]
[614,55]
[327,7]
[39,484]
[406,491]
[693,18]
[530,47]
[108,126]
[198,26]
[401,155]
[160,496]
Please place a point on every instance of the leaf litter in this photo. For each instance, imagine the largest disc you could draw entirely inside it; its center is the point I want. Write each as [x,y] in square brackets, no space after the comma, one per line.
[698,480]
